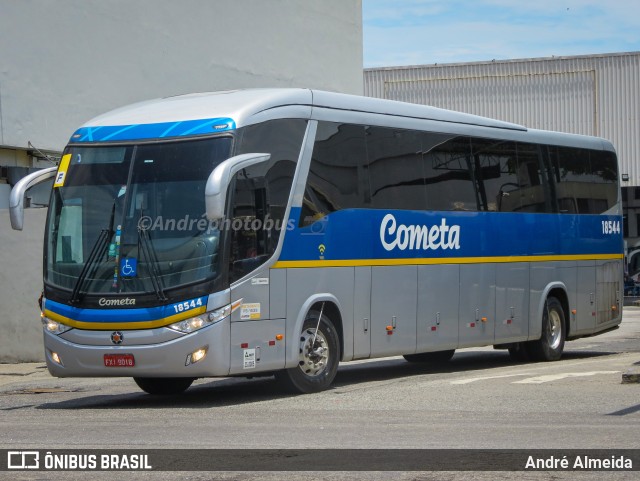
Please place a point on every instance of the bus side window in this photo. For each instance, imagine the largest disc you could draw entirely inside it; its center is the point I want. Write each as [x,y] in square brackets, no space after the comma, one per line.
[586,180]
[449,172]
[605,171]
[261,192]
[396,169]
[536,196]
[338,176]
[496,170]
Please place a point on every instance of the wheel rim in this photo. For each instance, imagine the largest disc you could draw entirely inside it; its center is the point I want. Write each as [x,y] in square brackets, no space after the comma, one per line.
[314,356]
[555,329]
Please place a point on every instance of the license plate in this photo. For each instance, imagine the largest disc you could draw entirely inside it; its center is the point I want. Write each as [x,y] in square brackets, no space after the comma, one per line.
[119,360]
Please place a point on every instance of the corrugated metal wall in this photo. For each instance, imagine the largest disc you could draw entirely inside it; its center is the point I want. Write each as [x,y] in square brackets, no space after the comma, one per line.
[591,95]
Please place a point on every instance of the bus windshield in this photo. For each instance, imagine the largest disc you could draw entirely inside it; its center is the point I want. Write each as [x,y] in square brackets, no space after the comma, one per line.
[131,219]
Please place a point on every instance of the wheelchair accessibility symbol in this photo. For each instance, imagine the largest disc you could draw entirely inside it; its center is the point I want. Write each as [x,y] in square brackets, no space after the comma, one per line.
[128,267]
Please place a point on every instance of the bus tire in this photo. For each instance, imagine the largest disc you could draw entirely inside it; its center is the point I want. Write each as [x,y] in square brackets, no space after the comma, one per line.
[317,363]
[551,343]
[434,357]
[163,386]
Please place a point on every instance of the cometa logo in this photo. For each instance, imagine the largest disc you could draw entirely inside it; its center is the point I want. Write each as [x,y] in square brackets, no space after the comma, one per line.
[418,237]
[127,301]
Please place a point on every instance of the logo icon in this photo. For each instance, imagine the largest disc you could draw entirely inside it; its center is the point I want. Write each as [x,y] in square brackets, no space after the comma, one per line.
[321,249]
[23,460]
[127,301]
[128,267]
[117,337]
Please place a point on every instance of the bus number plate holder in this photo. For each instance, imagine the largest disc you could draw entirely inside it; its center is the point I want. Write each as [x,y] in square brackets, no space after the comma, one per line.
[119,360]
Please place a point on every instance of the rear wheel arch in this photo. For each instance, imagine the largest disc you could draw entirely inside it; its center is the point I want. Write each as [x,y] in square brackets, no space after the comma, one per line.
[561,294]
[550,345]
[538,349]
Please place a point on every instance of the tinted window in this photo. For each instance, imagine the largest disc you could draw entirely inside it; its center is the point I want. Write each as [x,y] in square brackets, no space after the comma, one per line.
[535,188]
[145,203]
[262,191]
[338,177]
[496,169]
[604,167]
[396,169]
[585,180]
[448,172]
[374,167]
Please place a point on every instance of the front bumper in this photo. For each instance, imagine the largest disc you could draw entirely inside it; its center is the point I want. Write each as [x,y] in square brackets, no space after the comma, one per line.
[164,359]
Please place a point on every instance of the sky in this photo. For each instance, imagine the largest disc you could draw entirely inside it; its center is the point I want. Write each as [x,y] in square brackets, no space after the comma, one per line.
[421,32]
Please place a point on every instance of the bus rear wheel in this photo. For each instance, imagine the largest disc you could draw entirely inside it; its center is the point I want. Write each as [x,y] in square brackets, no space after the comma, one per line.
[318,357]
[163,386]
[435,357]
[551,343]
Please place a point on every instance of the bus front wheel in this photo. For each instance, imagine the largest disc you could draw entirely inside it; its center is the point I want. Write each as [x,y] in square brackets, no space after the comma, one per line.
[318,357]
[551,343]
[163,386]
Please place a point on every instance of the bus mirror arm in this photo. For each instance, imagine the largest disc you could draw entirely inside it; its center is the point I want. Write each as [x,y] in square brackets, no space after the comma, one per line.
[218,182]
[16,198]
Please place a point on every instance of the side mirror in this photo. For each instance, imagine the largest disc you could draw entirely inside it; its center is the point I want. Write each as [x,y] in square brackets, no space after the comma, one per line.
[215,193]
[16,199]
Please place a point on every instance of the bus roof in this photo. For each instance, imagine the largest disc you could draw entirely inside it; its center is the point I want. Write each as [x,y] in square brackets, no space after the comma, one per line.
[238,107]
[209,112]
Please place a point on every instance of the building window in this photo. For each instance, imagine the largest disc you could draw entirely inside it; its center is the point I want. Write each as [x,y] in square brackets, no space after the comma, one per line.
[625,226]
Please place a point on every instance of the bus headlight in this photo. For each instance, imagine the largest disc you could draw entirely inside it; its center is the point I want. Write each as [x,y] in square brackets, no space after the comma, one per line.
[219,314]
[54,327]
[204,320]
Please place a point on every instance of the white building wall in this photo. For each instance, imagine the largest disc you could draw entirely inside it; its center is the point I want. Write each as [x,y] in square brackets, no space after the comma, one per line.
[65,61]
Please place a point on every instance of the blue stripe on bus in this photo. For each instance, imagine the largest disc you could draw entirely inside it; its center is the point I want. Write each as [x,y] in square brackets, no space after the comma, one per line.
[162,130]
[356,234]
[109,315]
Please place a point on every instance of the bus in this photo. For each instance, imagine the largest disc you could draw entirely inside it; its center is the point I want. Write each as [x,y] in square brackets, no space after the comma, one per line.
[282,231]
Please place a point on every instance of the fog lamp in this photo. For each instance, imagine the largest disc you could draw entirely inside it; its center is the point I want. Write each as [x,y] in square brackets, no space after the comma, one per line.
[56,358]
[196,356]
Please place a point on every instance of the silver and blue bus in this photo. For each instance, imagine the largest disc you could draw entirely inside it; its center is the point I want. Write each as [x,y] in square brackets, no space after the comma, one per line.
[282,231]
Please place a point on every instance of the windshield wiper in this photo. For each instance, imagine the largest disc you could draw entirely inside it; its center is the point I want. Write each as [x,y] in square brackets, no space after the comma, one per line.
[146,246]
[97,251]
